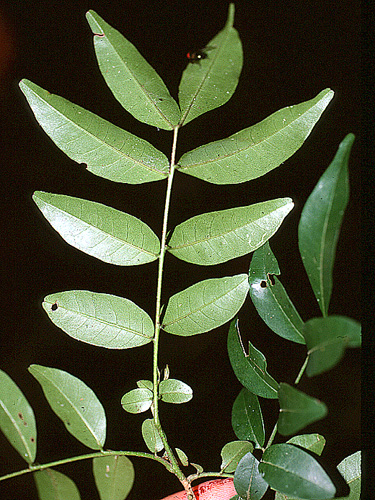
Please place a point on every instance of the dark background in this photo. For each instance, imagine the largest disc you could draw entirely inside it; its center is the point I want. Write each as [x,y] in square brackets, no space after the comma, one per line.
[292,51]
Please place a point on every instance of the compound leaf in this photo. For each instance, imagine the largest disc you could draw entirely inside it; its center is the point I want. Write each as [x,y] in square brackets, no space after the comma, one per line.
[107,150]
[74,403]
[256,150]
[320,223]
[114,477]
[100,231]
[100,319]
[217,237]
[17,420]
[270,298]
[53,485]
[212,82]
[297,410]
[251,368]
[205,305]
[133,82]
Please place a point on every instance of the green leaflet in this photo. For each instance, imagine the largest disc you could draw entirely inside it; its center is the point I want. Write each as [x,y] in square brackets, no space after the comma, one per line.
[100,231]
[107,150]
[100,319]
[297,410]
[205,305]
[17,420]
[133,82]
[53,485]
[256,150]
[350,469]
[114,477]
[247,418]
[250,368]
[137,401]
[294,472]
[270,298]
[232,453]
[320,223]
[212,82]
[151,436]
[74,403]
[175,391]
[311,442]
[326,339]
[248,481]
[217,237]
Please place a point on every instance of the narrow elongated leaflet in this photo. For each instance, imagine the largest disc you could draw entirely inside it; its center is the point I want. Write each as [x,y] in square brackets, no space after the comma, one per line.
[107,150]
[212,82]
[250,368]
[17,420]
[217,237]
[256,150]
[270,298]
[100,231]
[74,403]
[100,319]
[320,223]
[205,305]
[247,418]
[134,83]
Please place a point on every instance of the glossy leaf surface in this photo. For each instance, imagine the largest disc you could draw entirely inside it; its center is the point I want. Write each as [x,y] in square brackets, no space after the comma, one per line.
[53,485]
[320,223]
[175,391]
[256,150]
[295,473]
[311,442]
[297,410]
[151,436]
[350,469]
[74,403]
[114,477]
[232,453]
[100,319]
[326,339]
[247,418]
[107,150]
[212,82]
[17,420]
[133,82]
[205,305]
[270,298]
[248,482]
[100,231]
[217,237]
[137,401]
[250,368]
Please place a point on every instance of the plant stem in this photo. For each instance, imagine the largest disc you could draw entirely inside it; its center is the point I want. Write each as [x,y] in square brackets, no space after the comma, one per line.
[170,454]
[299,376]
[34,468]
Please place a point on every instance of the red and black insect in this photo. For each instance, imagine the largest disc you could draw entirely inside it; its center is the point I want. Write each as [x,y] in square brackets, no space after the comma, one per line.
[198,55]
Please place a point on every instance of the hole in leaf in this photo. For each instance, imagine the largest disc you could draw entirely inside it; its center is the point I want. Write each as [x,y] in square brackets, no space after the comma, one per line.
[32,440]
[271,277]
[54,306]
[263,284]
